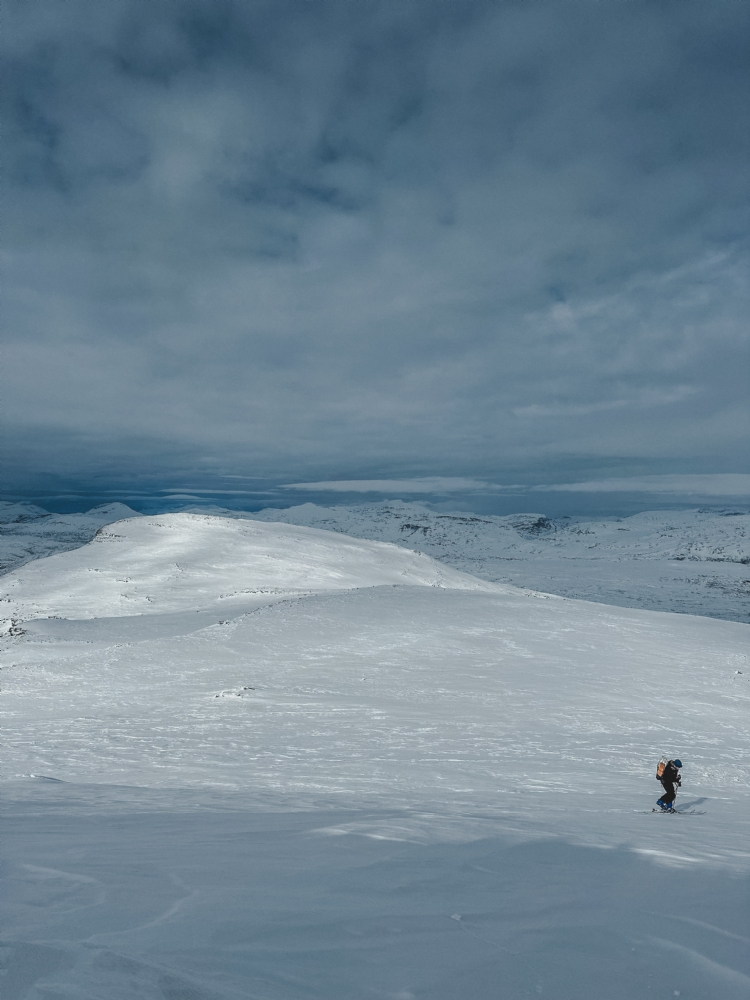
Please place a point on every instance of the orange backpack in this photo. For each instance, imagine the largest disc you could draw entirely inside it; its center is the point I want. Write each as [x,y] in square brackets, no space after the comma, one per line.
[660,767]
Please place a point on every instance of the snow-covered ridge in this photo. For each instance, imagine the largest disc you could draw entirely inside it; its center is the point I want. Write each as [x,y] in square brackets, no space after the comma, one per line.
[28,532]
[693,561]
[696,535]
[174,562]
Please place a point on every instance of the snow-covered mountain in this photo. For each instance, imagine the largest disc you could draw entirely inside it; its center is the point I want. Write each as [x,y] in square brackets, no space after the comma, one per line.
[695,535]
[694,561]
[177,562]
[28,532]
[314,766]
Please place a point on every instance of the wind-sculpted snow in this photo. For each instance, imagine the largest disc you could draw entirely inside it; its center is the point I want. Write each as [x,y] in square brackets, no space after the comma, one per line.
[176,562]
[434,790]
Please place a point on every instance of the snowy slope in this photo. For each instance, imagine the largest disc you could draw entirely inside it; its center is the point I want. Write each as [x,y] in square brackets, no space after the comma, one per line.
[28,532]
[695,561]
[422,788]
[176,562]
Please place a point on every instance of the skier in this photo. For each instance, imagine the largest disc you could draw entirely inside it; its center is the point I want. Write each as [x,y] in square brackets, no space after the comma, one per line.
[670,777]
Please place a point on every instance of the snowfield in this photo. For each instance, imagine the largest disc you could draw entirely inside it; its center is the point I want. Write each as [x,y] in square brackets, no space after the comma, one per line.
[246,759]
[691,561]
[175,562]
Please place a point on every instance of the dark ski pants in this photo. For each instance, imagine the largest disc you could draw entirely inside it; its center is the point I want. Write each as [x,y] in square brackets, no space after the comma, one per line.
[669,793]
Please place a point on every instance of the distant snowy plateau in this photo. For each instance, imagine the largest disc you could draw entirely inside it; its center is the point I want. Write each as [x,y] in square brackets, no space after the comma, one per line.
[694,561]
[245,758]
[691,561]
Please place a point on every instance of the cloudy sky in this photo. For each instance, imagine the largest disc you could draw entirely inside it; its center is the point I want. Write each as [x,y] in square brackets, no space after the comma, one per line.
[291,241]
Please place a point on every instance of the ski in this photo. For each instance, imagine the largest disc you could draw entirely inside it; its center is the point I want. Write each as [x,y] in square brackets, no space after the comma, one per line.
[681,812]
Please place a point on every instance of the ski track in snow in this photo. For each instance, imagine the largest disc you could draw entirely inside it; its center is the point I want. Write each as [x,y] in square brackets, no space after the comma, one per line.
[312,766]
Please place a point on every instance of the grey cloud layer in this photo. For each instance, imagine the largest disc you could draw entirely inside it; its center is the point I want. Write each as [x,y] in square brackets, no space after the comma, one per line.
[340,240]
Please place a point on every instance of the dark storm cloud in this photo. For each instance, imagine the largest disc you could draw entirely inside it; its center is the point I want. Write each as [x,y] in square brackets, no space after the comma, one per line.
[345,240]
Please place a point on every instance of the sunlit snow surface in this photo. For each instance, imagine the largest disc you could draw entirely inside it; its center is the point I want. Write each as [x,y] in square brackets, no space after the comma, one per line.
[691,561]
[300,765]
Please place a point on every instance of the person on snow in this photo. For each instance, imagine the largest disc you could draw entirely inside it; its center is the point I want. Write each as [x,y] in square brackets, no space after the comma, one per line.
[669,778]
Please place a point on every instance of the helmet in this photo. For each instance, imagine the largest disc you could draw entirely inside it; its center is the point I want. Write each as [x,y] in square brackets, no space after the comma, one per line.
[677,763]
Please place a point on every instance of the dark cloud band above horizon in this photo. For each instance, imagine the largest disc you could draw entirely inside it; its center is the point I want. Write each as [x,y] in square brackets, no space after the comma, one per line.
[336,241]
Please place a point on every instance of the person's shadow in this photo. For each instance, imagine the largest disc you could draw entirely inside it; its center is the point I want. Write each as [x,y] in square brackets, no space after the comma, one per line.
[690,805]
